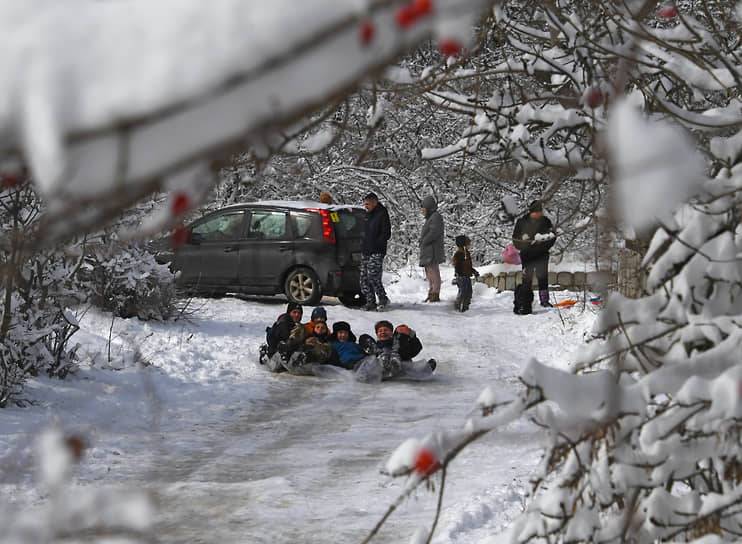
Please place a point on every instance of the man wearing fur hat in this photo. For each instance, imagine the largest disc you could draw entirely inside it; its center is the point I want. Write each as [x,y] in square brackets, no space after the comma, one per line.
[431,247]
[534,236]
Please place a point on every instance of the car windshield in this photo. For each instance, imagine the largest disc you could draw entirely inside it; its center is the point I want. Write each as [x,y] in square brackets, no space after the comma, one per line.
[349,224]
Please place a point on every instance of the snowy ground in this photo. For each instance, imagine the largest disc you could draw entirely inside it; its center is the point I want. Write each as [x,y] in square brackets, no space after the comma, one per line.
[232,453]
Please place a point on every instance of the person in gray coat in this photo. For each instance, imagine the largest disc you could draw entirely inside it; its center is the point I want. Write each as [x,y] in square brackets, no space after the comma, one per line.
[431,247]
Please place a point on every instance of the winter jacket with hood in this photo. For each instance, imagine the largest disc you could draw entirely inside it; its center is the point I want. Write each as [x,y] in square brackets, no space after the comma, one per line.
[377,229]
[431,235]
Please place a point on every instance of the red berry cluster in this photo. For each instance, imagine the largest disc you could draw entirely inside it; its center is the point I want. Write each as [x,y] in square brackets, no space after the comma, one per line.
[367,32]
[426,462]
[667,11]
[595,97]
[10,181]
[408,14]
[449,47]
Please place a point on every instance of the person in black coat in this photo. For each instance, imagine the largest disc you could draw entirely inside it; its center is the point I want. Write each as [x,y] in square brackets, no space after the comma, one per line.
[278,335]
[534,236]
[377,230]
[391,346]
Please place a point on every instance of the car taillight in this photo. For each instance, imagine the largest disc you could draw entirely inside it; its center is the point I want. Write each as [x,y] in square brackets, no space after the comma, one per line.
[328,232]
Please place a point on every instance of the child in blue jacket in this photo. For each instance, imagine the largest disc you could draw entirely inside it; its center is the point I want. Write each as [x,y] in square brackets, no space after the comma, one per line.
[347,352]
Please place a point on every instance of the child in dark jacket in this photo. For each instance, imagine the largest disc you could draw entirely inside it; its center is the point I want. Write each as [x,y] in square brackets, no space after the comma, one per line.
[392,347]
[278,334]
[464,270]
[347,352]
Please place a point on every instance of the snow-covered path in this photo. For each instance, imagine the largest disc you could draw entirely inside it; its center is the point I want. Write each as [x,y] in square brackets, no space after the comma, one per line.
[235,454]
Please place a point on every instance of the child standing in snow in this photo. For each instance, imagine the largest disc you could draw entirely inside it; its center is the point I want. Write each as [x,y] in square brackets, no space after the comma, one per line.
[464,270]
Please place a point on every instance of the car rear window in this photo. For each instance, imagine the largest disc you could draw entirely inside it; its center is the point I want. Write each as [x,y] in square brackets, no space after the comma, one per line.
[349,224]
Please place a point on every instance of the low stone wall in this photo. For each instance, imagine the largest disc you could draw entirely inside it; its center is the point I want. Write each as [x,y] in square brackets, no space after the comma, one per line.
[570,281]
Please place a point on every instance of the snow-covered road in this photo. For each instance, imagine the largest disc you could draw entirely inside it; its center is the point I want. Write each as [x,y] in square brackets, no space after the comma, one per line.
[233,453]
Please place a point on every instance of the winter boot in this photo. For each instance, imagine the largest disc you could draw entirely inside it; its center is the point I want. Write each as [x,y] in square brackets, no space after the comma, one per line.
[427,299]
[457,305]
[391,365]
[434,297]
[432,364]
[370,306]
[265,354]
[383,303]
[543,296]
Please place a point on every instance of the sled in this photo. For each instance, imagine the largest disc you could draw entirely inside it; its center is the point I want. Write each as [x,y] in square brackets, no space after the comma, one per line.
[566,303]
[370,370]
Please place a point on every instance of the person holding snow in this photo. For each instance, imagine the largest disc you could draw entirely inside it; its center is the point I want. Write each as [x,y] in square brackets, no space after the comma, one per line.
[431,247]
[534,236]
[464,270]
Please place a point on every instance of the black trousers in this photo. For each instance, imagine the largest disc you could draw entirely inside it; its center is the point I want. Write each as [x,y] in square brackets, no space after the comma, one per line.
[539,267]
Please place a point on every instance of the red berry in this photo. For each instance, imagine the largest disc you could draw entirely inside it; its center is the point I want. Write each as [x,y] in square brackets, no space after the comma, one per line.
[367,32]
[179,236]
[422,7]
[595,97]
[76,445]
[668,11]
[11,181]
[180,204]
[426,462]
[449,47]
[405,16]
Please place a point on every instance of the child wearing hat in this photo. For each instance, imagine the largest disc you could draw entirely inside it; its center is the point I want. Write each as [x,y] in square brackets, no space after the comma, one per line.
[347,352]
[318,314]
[464,270]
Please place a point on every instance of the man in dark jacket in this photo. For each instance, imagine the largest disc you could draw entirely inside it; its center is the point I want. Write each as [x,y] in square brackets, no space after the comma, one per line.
[534,236]
[377,231]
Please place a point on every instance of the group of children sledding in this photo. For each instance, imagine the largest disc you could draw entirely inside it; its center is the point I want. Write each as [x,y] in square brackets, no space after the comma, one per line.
[302,348]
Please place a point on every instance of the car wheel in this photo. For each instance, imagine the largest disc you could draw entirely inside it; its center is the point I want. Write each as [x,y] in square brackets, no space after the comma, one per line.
[302,286]
[352,300]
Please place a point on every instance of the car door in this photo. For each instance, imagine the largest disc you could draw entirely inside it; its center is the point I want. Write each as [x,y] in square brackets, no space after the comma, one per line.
[210,258]
[266,251]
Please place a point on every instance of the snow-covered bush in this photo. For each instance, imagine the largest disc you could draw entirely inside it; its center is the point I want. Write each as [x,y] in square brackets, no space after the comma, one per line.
[36,289]
[125,280]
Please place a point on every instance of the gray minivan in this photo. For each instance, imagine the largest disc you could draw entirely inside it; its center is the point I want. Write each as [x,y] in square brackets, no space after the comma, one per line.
[300,248]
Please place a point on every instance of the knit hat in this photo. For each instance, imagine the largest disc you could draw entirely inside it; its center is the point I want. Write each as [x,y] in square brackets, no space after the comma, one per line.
[319,313]
[371,196]
[462,240]
[429,204]
[325,197]
[535,206]
[340,326]
[294,306]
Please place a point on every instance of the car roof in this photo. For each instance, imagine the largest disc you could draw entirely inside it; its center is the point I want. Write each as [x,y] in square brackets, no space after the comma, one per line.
[294,204]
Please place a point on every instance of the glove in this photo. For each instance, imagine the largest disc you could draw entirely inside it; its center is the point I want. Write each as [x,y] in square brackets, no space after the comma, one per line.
[476,274]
